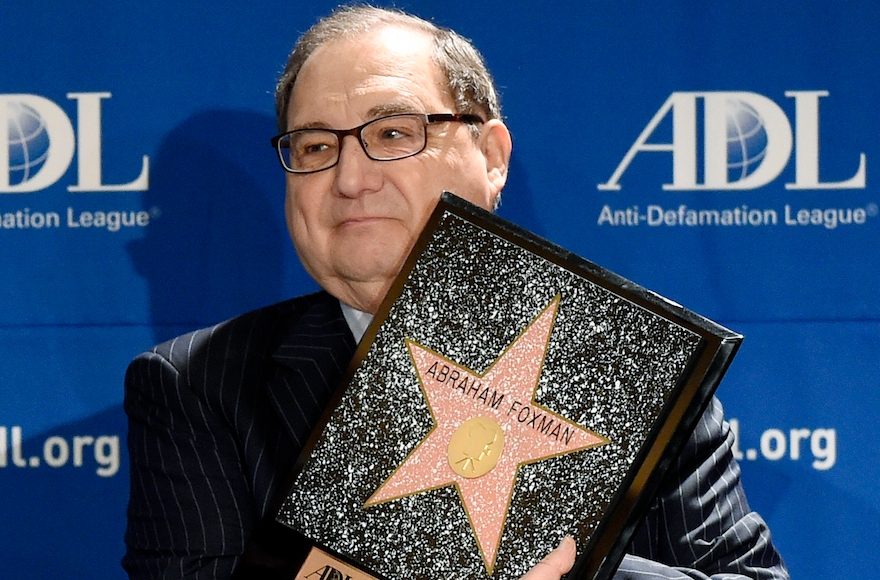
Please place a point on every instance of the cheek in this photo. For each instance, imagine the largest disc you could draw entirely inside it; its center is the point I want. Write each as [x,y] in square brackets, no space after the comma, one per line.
[299,214]
[441,170]
[288,211]
[304,236]
[461,169]
[470,183]
[303,199]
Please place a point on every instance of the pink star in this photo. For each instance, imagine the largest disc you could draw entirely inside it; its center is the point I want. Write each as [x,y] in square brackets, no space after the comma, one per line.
[504,395]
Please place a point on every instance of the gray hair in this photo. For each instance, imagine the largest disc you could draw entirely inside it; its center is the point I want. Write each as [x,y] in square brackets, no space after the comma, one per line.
[468,80]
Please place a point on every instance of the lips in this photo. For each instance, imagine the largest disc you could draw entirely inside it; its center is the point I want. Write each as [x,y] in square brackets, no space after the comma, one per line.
[357,220]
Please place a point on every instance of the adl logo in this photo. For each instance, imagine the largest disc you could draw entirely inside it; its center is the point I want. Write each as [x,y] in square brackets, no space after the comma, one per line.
[747,142]
[37,147]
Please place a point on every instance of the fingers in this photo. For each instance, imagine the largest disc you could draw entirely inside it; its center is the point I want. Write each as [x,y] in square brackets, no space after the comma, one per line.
[554,564]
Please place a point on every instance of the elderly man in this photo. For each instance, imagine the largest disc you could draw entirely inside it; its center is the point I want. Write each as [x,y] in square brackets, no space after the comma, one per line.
[380,113]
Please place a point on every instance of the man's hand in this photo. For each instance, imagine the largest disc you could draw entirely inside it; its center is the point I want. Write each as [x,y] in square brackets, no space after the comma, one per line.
[554,564]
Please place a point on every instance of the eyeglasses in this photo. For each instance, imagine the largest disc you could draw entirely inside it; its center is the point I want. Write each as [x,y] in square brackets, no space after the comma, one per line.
[383,139]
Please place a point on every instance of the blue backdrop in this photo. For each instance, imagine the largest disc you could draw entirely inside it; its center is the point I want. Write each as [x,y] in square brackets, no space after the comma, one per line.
[721,154]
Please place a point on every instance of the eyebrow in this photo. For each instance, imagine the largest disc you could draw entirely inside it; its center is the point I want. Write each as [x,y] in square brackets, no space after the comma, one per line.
[390,109]
[311,125]
[372,113]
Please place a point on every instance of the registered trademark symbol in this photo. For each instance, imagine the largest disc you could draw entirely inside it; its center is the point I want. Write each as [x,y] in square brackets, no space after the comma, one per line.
[871,209]
[155,212]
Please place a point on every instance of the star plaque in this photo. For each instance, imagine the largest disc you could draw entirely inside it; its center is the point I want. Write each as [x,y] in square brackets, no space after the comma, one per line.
[506,395]
[486,426]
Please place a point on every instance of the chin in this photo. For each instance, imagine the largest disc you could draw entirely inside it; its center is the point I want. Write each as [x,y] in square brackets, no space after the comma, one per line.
[379,243]
[370,262]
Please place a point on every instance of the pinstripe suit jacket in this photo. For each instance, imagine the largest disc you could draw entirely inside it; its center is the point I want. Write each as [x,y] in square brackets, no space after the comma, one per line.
[217,418]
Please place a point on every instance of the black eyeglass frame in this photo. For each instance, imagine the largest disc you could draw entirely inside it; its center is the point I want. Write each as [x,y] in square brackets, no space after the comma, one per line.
[357,132]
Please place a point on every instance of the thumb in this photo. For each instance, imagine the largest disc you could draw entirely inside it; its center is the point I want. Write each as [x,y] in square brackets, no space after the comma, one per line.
[556,563]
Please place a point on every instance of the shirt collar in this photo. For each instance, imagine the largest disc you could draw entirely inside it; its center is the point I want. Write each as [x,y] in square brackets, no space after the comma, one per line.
[357,320]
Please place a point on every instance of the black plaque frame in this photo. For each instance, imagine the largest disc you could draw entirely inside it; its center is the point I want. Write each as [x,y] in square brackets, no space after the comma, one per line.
[711,351]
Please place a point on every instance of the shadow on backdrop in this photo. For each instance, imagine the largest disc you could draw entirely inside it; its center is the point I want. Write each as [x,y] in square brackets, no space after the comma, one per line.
[216,245]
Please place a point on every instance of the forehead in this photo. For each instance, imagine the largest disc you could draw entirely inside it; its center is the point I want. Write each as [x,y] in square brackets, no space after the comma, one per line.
[390,68]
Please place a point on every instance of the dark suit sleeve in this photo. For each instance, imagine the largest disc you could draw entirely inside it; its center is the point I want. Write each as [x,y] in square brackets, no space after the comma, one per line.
[701,525]
[190,505]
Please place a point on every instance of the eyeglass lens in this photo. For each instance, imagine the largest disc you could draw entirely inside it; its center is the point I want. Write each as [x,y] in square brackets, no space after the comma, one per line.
[384,139]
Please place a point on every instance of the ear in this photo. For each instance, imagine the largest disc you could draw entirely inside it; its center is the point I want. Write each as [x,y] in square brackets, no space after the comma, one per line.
[496,145]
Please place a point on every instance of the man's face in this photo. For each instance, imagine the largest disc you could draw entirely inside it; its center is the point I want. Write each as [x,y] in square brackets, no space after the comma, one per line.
[354,224]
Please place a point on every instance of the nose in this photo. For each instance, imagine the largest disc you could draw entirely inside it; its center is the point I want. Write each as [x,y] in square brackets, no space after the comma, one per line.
[356,174]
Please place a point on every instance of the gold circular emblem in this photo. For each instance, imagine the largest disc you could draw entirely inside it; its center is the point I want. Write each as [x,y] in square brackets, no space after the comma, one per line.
[475,447]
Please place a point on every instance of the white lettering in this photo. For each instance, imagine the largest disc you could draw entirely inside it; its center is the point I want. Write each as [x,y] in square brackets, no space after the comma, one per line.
[112,221]
[773,444]
[823,444]
[806,159]
[829,218]
[17,458]
[19,110]
[764,149]
[796,435]
[729,108]
[78,443]
[88,143]
[107,455]
[56,451]
[683,146]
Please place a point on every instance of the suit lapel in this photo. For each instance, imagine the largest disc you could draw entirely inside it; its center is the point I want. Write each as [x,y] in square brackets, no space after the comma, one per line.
[312,359]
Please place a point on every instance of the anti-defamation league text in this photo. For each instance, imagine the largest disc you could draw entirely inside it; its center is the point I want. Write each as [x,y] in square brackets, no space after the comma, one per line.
[110,220]
[789,215]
